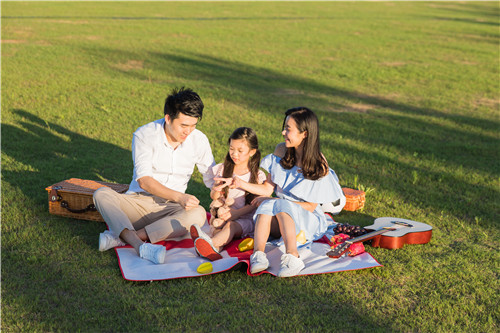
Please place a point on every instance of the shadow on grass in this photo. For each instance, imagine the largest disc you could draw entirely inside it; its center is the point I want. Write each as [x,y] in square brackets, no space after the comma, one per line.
[59,281]
[47,153]
[51,153]
[166,18]
[467,20]
[53,276]
[471,9]
[413,135]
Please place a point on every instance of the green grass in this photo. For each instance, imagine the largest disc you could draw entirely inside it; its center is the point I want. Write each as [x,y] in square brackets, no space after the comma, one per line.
[408,98]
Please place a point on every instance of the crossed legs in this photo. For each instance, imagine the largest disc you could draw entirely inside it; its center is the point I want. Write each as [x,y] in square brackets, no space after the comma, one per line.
[138,218]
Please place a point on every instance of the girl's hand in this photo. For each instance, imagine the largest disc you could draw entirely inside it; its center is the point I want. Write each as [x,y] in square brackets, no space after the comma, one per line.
[234,182]
[221,183]
[237,183]
[259,200]
[225,213]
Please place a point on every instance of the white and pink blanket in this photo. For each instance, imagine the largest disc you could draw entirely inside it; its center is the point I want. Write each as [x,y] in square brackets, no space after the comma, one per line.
[182,260]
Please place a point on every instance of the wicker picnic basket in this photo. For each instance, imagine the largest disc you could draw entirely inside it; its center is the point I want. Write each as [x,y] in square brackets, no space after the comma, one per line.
[73,198]
[355,199]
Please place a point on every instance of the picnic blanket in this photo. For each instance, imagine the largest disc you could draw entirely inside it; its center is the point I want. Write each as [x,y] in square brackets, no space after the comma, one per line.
[182,261]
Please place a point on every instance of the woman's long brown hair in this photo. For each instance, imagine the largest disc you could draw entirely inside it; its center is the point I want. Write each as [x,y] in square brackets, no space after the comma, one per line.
[250,138]
[314,165]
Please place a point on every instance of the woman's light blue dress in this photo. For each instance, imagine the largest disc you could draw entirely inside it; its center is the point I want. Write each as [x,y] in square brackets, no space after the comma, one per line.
[292,186]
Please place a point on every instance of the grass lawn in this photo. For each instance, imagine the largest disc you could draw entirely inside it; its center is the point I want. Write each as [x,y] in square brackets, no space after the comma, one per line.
[408,99]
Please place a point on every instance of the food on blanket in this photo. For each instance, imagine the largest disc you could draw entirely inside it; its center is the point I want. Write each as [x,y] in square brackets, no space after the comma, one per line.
[205,268]
[246,244]
[301,237]
[340,238]
[218,207]
[351,230]
[340,246]
[355,249]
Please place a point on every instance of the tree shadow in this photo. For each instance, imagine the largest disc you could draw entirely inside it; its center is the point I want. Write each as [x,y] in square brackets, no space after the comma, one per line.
[53,153]
[51,265]
[465,20]
[418,135]
[251,85]
[354,218]
[471,9]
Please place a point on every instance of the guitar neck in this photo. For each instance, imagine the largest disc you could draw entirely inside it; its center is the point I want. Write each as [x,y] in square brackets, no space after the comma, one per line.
[368,236]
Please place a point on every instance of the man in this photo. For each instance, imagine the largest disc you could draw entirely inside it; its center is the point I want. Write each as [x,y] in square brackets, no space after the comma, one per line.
[156,206]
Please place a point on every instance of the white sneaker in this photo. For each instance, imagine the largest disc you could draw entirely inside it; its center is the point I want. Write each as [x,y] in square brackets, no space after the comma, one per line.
[152,252]
[290,265]
[107,240]
[258,262]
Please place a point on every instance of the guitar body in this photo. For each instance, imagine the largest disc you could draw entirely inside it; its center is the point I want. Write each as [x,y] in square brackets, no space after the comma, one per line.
[418,233]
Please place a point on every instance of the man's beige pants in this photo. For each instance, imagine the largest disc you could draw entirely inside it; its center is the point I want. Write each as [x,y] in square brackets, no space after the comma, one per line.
[161,219]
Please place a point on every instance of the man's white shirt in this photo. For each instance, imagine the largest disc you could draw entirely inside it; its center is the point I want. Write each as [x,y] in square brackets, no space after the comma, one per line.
[153,156]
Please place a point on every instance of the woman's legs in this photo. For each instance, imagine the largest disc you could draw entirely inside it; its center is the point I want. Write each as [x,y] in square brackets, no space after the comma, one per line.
[290,264]
[287,228]
[264,226]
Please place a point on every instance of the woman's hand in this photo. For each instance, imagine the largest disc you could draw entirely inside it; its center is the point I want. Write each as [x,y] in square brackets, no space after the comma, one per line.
[234,182]
[237,183]
[221,183]
[256,202]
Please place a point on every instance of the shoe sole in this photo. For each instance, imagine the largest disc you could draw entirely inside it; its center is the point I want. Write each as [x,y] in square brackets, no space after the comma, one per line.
[194,232]
[194,236]
[101,243]
[162,257]
[205,250]
[296,271]
[159,259]
[258,269]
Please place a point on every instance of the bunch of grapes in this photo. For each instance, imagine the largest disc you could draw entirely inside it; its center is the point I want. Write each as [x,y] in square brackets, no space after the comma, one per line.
[350,230]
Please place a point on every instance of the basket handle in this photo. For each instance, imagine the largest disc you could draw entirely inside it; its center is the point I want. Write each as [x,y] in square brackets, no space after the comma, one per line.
[91,207]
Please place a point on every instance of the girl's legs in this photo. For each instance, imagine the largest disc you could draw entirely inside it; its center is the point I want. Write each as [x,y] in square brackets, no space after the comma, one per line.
[214,231]
[264,226]
[230,231]
[287,228]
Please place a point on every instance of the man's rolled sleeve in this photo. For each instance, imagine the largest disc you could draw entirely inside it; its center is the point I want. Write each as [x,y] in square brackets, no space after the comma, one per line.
[142,155]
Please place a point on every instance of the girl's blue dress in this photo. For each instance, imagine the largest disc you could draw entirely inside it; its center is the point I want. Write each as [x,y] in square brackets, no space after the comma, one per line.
[292,186]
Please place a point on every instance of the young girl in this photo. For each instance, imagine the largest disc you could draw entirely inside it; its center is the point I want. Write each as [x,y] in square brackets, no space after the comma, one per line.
[300,177]
[241,162]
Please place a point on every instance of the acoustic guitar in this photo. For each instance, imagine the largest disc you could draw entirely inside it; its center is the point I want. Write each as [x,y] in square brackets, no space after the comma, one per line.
[389,233]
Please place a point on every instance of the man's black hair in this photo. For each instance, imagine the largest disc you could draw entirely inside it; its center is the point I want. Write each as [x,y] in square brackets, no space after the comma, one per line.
[185,101]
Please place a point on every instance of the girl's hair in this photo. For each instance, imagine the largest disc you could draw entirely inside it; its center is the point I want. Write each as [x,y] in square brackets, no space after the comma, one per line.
[314,165]
[250,138]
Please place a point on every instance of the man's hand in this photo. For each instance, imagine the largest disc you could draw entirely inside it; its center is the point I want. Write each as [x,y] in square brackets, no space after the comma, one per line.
[188,201]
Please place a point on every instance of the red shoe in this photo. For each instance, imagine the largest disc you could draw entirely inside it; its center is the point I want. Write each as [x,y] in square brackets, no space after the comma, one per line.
[194,230]
[206,250]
